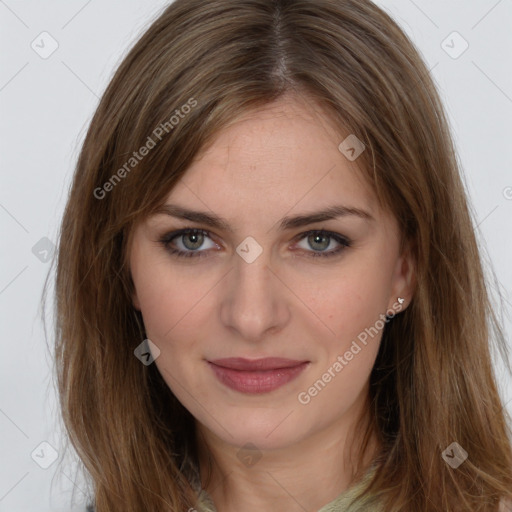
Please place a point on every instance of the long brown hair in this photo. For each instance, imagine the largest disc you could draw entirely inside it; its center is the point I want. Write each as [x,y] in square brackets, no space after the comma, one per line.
[201,65]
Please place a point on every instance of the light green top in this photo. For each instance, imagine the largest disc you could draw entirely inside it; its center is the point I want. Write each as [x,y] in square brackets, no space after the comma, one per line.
[343,503]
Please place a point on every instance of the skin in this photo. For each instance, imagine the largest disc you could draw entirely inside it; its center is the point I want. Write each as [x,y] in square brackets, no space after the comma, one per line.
[280,160]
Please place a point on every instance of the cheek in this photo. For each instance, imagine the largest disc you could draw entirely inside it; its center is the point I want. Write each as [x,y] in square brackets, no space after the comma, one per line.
[349,302]
[153,287]
[167,312]
[351,307]
[173,303]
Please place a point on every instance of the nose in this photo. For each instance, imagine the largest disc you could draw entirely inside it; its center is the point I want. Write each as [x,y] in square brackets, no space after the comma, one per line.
[254,302]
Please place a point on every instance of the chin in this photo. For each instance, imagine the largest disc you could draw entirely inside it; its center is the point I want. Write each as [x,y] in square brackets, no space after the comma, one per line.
[271,430]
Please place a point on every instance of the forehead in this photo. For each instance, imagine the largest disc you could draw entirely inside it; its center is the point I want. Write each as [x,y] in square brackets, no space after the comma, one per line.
[283,154]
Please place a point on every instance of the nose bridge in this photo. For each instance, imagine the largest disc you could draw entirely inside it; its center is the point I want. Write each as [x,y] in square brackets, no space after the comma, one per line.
[253,301]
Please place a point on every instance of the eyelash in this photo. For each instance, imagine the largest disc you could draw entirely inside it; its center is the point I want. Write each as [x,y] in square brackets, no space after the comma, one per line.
[169,237]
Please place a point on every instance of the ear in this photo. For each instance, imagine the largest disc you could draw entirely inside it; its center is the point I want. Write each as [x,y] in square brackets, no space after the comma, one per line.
[403,281]
[133,292]
[131,285]
[135,300]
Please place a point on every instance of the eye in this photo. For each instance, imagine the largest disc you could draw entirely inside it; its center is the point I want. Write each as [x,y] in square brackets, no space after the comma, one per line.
[324,243]
[187,242]
[190,243]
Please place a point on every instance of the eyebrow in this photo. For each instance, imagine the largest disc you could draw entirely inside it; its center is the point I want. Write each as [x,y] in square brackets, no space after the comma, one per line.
[214,221]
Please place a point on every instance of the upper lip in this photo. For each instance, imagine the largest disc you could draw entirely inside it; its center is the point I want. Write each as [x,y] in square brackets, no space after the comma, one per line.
[266,363]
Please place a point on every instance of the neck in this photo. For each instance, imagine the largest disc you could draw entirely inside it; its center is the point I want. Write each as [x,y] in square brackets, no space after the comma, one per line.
[302,476]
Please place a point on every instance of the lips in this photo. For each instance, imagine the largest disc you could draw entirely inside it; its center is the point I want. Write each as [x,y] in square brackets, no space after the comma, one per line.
[267,363]
[257,375]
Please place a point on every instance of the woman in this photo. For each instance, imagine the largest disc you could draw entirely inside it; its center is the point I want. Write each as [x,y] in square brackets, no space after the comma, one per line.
[269,292]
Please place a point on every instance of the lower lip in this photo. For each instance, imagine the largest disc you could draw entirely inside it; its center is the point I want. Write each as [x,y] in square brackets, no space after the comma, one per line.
[258,381]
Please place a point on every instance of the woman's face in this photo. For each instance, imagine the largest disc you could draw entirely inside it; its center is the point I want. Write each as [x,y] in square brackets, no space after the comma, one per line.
[263,278]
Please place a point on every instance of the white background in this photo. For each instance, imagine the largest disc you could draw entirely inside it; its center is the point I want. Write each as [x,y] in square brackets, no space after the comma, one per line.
[46,105]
